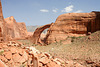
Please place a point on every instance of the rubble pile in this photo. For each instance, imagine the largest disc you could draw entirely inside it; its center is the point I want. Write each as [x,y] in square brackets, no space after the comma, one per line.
[13,55]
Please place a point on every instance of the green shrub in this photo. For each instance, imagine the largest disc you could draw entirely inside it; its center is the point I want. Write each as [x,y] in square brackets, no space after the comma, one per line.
[1,52]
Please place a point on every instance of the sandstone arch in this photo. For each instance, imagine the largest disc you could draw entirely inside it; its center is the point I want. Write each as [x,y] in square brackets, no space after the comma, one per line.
[36,36]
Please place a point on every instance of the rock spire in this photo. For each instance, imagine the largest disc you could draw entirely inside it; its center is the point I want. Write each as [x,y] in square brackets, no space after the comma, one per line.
[1,13]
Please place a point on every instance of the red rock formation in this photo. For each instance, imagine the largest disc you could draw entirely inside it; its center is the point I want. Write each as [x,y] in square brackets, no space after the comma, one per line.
[2,64]
[1,14]
[37,33]
[9,28]
[2,25]
[73,24]
[15,29]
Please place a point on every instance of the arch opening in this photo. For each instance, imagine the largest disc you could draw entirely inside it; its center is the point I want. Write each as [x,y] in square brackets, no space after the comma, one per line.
[43,34]
[37,34]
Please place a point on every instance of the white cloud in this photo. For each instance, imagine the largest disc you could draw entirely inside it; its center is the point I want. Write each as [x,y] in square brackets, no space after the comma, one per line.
[68,9]
[78,11]
[44,10]
[55,10]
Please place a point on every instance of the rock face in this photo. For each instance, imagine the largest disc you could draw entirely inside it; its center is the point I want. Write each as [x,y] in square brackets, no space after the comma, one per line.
[2,25]
[9,28]
[73,24]
[1,14]
[15,29]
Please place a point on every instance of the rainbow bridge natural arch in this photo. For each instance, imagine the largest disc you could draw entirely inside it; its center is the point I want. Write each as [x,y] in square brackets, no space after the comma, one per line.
[36,36]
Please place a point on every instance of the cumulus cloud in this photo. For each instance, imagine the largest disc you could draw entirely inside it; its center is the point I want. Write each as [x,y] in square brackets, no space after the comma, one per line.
[68,9]
[55,10]
[78,11]
[44,10]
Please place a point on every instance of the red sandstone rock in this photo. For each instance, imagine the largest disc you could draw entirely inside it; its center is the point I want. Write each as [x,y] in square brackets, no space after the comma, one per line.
[13,50]
[52,64]
[30,56]
[44,60]
[20,57]
[3,59]
[73,24]
[2,26]
[2,64]
[9,28]
[37,33]
[8,55]
[14,29]
[17,58]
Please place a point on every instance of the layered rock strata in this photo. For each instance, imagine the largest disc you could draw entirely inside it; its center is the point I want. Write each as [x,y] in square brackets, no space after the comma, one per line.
[73,24]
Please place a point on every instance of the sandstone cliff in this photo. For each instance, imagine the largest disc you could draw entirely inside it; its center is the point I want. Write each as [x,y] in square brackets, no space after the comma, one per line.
[73,24]
[9,28]
[2,25]
[15,29]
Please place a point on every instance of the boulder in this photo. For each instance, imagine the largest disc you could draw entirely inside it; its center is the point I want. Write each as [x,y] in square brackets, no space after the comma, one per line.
[2,64]
[8,55]
[3,59]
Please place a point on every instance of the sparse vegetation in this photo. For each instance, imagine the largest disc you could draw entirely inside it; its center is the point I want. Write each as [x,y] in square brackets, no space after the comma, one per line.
[1,52]
[80,50]
[27,43]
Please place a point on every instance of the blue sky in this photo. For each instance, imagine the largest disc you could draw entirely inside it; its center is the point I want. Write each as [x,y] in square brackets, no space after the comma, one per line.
[41,12]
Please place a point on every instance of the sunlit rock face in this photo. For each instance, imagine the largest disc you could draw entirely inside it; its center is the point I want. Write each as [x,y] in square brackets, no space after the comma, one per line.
[15,29]
[73,24]
[2,25]
[9,28]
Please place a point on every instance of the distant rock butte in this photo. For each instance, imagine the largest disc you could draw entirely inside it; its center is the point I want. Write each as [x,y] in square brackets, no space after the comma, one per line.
[73,24]
[9,28]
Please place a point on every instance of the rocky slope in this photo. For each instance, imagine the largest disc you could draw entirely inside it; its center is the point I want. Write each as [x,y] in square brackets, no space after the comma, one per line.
[84,49]
[13,54]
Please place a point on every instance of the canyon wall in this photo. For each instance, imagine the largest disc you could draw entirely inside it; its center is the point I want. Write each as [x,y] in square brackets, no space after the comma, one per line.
[73,24]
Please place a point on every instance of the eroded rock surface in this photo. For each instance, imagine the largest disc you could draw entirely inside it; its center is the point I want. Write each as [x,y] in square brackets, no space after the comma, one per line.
[9,28]
[73,24]
[2,25]
[15,29]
